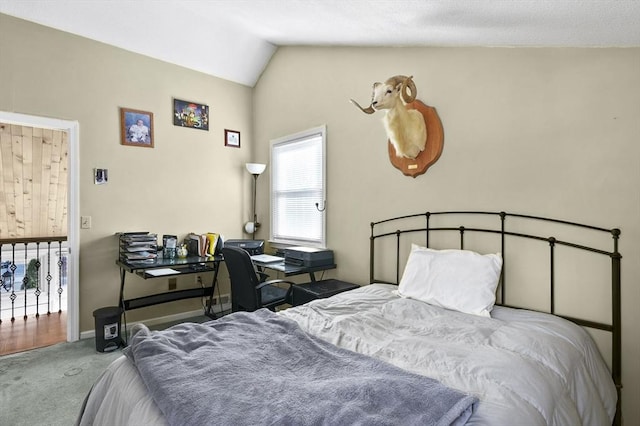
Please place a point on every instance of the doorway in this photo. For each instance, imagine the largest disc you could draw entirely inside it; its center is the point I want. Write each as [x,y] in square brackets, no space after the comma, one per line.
[72,210]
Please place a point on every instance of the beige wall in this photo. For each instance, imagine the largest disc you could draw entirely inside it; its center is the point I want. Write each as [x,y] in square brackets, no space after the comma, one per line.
[551,132]
[190,182]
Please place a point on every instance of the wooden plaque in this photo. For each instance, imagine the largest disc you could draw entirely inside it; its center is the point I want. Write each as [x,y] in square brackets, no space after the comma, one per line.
[433,148]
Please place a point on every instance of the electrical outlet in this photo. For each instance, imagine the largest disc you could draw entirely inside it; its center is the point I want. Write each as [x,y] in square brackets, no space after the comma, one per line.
[223,299]
[173,283]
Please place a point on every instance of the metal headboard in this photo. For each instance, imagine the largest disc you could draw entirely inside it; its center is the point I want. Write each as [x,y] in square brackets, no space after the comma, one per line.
[500,229]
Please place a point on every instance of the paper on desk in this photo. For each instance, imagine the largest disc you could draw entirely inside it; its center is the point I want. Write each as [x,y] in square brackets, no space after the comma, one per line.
[266,258]
[277,266]
[161,271]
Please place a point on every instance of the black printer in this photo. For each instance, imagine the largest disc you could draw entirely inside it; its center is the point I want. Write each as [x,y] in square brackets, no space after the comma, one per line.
[252,246]
[308,256]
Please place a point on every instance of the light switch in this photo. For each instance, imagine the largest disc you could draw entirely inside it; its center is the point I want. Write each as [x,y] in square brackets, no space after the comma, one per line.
[85,222]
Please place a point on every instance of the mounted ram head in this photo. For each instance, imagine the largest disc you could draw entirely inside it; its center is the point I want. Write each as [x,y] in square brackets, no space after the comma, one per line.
[405,127]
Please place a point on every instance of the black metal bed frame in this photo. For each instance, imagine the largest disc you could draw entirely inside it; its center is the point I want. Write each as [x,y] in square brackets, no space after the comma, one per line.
[614,327]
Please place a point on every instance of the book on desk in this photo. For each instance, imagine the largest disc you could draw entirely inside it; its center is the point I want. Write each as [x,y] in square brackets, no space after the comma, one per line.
[203,245]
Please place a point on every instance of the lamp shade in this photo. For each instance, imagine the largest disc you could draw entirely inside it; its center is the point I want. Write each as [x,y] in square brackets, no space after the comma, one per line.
[256,168]
[250,227]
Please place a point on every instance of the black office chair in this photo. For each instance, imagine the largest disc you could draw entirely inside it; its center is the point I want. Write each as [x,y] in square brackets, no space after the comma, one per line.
[248,293]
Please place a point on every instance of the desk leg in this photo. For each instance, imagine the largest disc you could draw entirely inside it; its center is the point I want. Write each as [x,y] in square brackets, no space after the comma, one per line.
[209,311]
[121,304]
[312,276]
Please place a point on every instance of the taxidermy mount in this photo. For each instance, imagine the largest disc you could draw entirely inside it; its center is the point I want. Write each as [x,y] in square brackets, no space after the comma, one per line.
[408,124]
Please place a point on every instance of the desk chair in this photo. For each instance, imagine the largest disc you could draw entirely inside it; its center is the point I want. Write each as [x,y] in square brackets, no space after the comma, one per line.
[248,293]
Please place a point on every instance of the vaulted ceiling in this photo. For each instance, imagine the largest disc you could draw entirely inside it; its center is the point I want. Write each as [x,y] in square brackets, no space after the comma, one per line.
[235,39]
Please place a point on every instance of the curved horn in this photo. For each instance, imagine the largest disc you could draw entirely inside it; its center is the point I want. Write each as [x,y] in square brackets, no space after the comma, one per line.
[368,110]
[413,92]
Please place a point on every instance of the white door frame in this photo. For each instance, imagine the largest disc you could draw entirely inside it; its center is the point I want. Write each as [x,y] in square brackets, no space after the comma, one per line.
[73,216]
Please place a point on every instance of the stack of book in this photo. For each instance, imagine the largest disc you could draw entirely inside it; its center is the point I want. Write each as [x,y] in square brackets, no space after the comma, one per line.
[203,245]
[136,247]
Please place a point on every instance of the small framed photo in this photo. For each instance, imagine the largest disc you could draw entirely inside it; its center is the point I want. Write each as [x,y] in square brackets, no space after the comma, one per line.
[100,176]
[136,127]
[231,138]
[190,114]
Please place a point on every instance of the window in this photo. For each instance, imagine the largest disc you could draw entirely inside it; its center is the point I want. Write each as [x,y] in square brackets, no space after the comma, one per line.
[298,188]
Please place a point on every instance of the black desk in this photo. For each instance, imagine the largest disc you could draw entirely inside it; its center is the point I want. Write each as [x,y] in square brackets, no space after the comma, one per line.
[182,266]
[288,269]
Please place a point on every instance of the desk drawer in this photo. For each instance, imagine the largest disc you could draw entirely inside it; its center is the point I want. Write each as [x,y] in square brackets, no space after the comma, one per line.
[303,293]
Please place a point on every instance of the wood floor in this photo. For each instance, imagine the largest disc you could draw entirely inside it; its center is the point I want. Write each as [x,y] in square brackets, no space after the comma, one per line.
[22,335]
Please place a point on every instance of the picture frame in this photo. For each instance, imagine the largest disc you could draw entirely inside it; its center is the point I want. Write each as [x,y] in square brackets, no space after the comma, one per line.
[190,114]
[231,138]
[100,176]
[136,128]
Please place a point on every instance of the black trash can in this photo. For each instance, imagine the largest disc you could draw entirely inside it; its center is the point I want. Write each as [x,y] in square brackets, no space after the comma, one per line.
[108,336]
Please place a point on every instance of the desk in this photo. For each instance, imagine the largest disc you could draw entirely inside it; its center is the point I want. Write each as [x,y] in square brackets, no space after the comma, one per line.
[181,266]
[288,269]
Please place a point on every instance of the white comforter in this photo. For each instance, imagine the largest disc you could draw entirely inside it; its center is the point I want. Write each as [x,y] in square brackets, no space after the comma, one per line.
[527,368]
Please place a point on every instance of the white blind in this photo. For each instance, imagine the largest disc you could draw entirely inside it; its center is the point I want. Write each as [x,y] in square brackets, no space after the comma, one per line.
[297,184]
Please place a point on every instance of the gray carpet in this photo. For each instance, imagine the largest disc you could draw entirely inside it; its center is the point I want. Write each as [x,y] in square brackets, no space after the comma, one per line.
[47,386]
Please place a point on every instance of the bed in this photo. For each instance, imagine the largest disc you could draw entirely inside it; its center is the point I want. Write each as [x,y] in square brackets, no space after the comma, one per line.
[476,348]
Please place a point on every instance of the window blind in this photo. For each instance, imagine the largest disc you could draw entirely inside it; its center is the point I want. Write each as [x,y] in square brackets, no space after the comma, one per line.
[297,184]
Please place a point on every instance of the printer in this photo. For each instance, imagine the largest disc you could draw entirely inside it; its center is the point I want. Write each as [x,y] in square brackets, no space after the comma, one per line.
[308,256]
[252,246]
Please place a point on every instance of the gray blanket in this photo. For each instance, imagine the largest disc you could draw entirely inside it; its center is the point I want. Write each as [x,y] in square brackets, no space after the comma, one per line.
[261,369]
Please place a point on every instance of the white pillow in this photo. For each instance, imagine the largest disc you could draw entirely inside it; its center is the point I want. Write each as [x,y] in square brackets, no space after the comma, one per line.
[462,280]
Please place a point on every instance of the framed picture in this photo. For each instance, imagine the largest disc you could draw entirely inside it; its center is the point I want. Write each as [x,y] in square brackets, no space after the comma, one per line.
[190,114]
[100,176]
[231,138]
[136,127]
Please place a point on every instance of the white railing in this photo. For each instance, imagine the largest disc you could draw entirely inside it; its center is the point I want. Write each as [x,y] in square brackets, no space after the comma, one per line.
[33,277]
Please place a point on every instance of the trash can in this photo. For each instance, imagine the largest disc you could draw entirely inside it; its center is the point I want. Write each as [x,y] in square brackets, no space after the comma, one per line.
[107,328]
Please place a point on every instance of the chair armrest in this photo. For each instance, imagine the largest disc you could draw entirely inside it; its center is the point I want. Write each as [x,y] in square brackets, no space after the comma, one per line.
[270,282]
[288,296]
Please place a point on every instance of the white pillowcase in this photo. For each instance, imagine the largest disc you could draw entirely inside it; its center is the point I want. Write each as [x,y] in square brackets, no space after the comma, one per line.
[461,280]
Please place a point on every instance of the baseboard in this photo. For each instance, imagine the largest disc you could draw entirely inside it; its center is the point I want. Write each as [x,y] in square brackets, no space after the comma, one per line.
[90,334]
